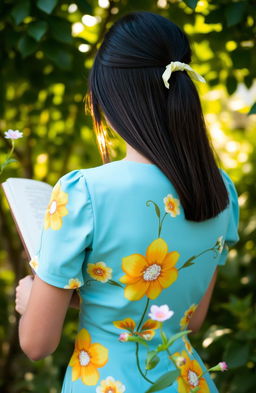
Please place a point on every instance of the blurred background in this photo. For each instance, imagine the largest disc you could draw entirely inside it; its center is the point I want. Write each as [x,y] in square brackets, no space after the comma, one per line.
[47,49]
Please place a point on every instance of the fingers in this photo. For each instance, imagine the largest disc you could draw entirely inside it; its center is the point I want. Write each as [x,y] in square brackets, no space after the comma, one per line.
[23,290]
[29,277]
[18,307]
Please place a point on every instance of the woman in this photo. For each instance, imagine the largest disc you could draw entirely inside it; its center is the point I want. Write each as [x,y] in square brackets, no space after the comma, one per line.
[136,234]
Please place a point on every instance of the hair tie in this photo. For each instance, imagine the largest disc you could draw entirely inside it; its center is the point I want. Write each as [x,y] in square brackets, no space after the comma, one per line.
[178,66]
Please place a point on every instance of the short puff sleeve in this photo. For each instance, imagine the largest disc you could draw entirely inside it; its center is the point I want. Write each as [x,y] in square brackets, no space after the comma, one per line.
[66,234]
[232,235]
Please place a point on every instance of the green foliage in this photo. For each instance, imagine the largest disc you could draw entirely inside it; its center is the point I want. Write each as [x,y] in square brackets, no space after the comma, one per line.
[46,5]
[46,54]
[191,3]
[253,109]
[37,29]
[163,382]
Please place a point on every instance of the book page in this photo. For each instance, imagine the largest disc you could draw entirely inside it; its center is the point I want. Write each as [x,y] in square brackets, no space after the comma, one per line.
[28,200]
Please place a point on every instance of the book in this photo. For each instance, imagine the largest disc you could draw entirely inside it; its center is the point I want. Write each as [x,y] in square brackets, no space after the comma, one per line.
[28,200]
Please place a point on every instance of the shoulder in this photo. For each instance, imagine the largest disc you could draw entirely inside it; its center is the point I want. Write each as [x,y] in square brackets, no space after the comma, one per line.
[233,197]
[73,187]
[106,177]
[82,179]
[227,179]
[104,169]
[73,180]
[231,188]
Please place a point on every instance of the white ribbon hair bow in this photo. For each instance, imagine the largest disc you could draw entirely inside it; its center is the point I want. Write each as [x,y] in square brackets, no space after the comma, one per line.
[178,66]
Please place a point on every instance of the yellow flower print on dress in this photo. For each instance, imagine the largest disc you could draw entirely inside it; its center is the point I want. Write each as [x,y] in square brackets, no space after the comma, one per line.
[56,208]
[187,316]
[73,283]
[190,376]
[147,330]
[34,263]
[87,358]
[172,205]
[149,275]
[188,346]
[127,324]
[99,271]
[109,385]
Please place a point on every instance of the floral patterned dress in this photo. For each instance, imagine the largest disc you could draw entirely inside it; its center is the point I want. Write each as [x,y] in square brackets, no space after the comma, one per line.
[117,233]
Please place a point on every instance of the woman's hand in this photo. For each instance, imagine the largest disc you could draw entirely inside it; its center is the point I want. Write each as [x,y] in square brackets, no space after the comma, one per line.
[22,293]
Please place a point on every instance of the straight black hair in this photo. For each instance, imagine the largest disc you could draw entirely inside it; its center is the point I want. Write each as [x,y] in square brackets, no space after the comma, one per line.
[165,125]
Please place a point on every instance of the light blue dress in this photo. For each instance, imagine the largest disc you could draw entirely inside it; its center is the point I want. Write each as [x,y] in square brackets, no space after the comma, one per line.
[118,234]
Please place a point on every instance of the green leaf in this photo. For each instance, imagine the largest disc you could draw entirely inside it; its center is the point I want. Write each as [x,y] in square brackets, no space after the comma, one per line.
[188,263]
[10,160]
[115,283]
[163,382]
[231,84]
[239,307]
[248,81]
[163,337]
[191,3]
[152,360]
[60,57]
[157,210]
[37,29]
[176,337]
[237,354]
[252,111]
[138,340]
[241,57]
[7,162]
[26,46]
[20,11]
[60,30]
[84,7]
[46,5]
[234,13]
[214,16]
[161,347]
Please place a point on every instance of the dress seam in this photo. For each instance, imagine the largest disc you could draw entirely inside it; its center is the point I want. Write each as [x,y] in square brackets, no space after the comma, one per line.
[92,207]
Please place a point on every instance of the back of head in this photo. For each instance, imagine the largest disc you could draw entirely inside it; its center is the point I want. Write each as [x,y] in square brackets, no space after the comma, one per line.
[165,125]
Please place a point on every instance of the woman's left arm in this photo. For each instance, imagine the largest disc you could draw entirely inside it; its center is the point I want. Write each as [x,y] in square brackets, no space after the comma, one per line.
[43,308]
[66,238]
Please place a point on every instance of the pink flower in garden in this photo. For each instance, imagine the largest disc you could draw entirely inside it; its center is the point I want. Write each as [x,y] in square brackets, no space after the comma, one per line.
[223,366]
[160,313]
[11,134]
[123,337]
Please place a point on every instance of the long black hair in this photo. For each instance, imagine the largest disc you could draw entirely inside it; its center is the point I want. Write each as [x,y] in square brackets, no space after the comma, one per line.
[165,125]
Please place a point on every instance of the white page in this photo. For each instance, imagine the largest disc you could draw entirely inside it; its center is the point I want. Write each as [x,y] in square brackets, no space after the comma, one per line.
[28,200]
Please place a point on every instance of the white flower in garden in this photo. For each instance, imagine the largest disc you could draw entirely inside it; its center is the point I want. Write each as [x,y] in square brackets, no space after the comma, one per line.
[13,134]
[160,313]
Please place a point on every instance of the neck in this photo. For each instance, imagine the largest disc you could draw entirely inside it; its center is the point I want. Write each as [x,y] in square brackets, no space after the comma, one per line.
[134,155]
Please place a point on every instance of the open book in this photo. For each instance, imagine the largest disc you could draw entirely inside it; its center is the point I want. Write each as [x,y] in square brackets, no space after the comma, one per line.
[28,200]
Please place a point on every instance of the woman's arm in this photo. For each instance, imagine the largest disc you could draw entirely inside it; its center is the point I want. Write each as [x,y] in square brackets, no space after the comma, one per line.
[201,311]
[41,324]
